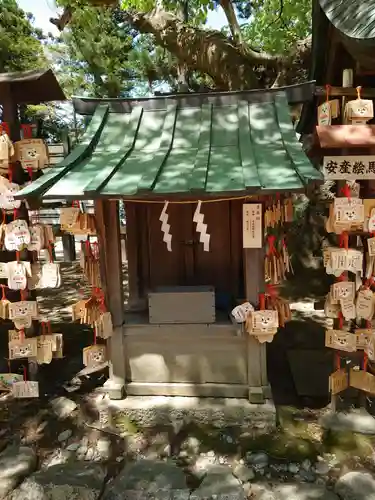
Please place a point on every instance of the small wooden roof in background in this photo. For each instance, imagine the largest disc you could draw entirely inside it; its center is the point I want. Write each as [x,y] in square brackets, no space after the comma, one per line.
[31,87]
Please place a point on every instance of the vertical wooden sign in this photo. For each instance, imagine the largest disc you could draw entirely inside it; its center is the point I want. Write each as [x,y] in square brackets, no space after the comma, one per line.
[252,225]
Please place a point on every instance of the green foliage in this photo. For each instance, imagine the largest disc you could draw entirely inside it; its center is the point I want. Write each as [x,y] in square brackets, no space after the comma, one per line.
[275,26]
[20,43]
[91,55]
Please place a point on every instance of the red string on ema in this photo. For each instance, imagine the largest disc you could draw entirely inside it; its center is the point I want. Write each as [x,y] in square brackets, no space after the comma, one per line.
[341,320]
[271,245]
[346,191]
[344,240]
[262,301]
[27,131]
[50,251]
[10,173]
[337,361]
[4,127]
[365,362]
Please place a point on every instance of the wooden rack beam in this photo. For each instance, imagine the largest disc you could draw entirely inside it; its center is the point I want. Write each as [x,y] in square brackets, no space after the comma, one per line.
[344,92]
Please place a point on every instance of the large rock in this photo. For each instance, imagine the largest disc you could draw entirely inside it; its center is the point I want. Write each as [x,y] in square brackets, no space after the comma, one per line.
[357,420]
[261,491]
[153,478]
[243,473]
[356,486]
[15,464]
[76,481]
[63,407]
[219,480]
[303,492]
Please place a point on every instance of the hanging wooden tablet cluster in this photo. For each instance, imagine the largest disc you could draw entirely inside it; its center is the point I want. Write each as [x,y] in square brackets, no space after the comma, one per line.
[278,211]
[350,301]
[74,221]
[94,313]
[90,263]
[274,302]
[91,311]
[277,263]
[21,243]
[278,214]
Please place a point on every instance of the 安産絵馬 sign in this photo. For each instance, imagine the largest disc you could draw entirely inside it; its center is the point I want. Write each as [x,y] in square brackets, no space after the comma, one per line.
[349,168]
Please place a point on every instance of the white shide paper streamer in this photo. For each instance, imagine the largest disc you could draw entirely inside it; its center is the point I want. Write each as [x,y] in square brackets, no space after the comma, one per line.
[165,227]
[201,228]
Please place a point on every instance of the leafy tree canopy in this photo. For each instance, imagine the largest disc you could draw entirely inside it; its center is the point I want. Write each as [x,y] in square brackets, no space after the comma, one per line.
[20,43]
[92,56]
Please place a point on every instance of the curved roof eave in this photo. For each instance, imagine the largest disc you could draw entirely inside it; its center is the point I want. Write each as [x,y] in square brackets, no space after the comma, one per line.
[354,19]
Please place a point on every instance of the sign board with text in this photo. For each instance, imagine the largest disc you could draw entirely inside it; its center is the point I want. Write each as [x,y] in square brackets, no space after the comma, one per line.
[349,168]
[252,225]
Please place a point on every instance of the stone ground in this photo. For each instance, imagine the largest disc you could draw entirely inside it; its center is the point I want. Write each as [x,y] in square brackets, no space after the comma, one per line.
[55,448]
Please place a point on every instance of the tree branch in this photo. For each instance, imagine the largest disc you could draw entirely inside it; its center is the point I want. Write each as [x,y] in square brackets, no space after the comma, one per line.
[230,14]
[210,52]
[231,66]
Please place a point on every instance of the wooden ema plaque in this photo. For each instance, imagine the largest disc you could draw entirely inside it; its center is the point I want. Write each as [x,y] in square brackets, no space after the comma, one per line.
[340,340]
[21,390]
[338,381]
[263,324]
[364,381]
[363,338]
[94,355]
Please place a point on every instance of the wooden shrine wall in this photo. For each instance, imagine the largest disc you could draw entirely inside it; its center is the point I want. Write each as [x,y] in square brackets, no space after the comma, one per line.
[152,265]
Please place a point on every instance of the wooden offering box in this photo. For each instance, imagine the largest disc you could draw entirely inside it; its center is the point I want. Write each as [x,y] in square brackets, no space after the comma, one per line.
[185,304]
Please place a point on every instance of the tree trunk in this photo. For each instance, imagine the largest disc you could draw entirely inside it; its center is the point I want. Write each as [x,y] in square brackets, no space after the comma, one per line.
[201,50]
[231,65]
[230,14]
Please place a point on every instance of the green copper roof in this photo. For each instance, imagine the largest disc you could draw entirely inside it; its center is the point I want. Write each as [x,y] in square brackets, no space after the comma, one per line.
[355,19]
[183,150]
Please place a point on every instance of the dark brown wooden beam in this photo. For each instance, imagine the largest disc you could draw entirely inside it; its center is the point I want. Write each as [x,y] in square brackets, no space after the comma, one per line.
[10,112]
[133,246]
[344,92]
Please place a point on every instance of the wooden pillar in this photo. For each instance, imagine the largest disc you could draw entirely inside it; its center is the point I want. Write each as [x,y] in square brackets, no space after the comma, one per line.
[256,353]
[108,226]
[69,247]
[10,112]
[132,254]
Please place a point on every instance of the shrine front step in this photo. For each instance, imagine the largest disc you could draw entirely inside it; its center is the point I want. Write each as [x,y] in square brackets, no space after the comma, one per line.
[150,411]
